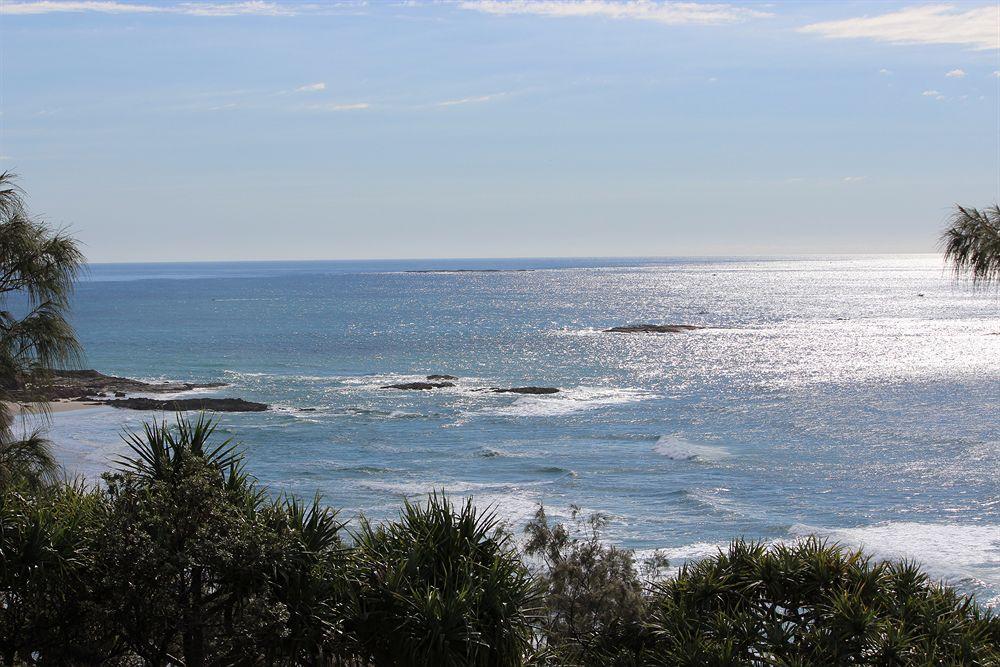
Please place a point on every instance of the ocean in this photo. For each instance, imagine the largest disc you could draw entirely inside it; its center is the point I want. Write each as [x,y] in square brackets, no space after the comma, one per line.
[854,397]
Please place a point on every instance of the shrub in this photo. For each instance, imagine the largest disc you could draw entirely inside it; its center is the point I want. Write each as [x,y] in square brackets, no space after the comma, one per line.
[48,613]
[813,603]
[594,604]
[440,586]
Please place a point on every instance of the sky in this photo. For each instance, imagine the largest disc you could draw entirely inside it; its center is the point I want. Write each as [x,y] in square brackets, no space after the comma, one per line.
[176,131]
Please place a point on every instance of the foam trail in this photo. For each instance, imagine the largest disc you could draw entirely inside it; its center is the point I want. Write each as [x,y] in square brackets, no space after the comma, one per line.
[677,448]
[569,401]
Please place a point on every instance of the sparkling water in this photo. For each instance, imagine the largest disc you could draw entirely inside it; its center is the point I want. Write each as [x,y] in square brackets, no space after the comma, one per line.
[854,397]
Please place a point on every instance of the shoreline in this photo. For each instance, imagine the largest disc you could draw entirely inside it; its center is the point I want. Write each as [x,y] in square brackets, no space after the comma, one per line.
[53,407]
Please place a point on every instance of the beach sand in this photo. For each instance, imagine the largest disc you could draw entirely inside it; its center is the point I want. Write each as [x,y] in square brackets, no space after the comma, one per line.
[54,407]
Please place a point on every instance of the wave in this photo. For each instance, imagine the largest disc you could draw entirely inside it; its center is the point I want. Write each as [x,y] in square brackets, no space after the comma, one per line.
[568,401]
[492,452]
[968,555]
[550,470]
[677,448]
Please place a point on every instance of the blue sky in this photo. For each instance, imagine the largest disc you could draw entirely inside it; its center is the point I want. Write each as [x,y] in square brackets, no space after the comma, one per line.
[273,130]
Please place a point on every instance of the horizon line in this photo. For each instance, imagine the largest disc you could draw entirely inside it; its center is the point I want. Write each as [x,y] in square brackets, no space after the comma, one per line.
[795,255]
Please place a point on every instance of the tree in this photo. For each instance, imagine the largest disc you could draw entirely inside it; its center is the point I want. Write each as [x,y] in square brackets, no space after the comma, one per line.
[187,554]
[38,266]
[814,603]
[442,585]
[972,243]
[595,603]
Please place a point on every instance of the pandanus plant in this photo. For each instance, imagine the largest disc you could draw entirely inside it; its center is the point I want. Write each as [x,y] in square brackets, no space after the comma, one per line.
[442,585]
[814,603]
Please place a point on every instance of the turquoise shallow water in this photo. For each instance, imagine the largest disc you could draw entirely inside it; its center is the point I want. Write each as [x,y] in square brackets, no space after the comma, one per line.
[856,397]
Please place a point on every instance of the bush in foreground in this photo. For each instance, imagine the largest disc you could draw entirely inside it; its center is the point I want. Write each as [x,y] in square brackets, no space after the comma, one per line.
[183,559]
[813,604]
[443,585]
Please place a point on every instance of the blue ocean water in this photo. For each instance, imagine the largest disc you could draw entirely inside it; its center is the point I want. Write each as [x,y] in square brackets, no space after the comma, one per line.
[854,397]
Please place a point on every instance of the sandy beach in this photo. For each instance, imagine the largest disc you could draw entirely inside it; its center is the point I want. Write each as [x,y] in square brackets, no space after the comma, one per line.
[54,407]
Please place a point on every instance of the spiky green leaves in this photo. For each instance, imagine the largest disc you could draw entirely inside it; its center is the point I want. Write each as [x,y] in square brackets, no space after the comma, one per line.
[442,585]
[813,603]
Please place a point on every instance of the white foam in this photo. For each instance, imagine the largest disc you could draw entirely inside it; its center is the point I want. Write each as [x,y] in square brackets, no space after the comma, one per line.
[682,554]
[568,401]
[677,448]
[953,552]
[403,414]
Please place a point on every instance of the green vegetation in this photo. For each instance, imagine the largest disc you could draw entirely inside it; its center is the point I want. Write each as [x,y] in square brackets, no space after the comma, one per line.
[181,558]
[972,243]
[37,270]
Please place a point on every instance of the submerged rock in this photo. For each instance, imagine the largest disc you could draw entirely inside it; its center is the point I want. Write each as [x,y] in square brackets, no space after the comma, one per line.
[419,386]
[653,328]
[441,377]
[525,390]
[183,404]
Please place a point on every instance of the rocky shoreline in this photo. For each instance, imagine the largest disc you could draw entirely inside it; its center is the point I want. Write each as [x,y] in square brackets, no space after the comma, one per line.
[92,387]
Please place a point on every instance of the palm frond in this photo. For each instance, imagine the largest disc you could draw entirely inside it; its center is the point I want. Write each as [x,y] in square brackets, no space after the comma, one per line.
[972,243]
[161,450]
[28,459]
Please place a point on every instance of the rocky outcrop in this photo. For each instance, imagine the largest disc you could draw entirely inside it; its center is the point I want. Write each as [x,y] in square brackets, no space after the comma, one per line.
[82,383]
[184,404]
[525,390]
[441,377]
[419,386]
[653,328]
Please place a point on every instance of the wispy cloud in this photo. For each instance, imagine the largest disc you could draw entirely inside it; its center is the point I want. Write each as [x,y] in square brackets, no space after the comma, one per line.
[471,100]
[854,179]
[996,73]
[885,72]
[660,11]
[333,106]
[923,24]
[956,74]
[311,88]
[244,8]
[933,93]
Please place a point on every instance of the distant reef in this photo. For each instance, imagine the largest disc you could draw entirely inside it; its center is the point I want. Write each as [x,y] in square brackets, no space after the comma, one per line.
[525,390]
[653,328]
[469,271]
[419,386]
[440,381]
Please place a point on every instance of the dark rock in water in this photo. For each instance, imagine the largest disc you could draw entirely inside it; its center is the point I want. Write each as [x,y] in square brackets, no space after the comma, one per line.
[525,390]
[653,328]
[182,404]
[307,409]
[74,383]
[419,386]
[441,377]
[469,271]
[119,394]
